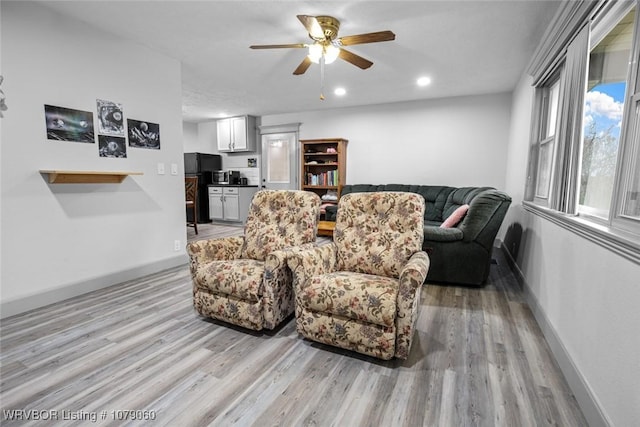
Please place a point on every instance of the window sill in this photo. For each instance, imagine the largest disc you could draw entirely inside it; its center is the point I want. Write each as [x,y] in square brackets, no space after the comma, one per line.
[622,243]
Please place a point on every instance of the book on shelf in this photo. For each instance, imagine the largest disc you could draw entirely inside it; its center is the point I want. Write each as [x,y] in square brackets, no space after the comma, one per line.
[328,178]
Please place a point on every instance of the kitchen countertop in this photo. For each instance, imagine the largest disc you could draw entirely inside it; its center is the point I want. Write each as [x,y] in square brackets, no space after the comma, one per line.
[231,185]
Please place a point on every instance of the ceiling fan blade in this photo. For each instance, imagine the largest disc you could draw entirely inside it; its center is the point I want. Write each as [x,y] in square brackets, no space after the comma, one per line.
[277,46]
[356,60]
[312,26]
[304,65]
[380,36]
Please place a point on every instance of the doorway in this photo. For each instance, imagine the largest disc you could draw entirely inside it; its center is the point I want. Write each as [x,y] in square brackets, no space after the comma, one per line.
[280,157]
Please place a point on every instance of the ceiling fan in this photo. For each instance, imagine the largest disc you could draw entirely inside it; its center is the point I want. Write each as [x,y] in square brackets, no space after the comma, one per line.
[327,46]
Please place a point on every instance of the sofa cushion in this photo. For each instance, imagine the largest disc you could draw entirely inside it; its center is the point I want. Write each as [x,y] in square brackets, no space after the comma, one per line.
[357,296]
[435,197]
[460,196]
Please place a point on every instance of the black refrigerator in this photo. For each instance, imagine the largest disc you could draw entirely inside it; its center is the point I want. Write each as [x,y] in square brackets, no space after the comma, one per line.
[202,165]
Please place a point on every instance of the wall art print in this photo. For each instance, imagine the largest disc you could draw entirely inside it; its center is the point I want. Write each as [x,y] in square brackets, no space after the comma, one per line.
[112,146]
[66,124]
[110,118]
[143,134]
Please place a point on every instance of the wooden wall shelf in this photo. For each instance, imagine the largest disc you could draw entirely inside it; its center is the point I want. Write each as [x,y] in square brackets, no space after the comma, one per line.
[87,177]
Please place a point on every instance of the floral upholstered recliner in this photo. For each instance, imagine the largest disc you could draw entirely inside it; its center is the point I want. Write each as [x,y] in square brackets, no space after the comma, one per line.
[245,280]
[362,292]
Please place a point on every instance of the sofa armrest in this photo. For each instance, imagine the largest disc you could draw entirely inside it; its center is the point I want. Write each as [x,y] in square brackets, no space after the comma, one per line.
[438,234]
[331,212]
[412,277]
[204,251]
[486,210]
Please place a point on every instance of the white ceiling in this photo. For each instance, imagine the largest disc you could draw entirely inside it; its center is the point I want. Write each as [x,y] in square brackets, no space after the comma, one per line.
[467,48]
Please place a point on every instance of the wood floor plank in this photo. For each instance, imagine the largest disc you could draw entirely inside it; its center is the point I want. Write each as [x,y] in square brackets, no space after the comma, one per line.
[478,359]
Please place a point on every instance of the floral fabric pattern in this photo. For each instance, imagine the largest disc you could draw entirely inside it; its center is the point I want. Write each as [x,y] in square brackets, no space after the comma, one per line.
[231,285]
[366,338]
[278,220]
[204,251]
[376,233]
[362,292]
[241,278]
[358,296]
[229,309]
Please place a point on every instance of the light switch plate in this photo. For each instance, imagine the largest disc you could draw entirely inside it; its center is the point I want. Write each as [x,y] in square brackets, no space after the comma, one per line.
[160,168]
[174,169]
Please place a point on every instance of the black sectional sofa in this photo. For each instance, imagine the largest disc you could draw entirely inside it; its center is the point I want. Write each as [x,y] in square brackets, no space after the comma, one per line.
[461,254]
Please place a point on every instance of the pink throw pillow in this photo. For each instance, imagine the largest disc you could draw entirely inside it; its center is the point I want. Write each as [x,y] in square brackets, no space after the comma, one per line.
[455,217]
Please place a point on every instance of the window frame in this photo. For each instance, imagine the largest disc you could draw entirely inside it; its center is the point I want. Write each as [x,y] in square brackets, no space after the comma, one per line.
[543,99]
[629,151]
[618,232]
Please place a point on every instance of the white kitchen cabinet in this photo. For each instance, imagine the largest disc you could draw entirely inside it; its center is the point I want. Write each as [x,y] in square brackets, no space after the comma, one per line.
[230,203]
[215,203]
[237,134]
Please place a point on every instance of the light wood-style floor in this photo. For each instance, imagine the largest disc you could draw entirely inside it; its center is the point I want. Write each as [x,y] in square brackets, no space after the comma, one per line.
[478,359]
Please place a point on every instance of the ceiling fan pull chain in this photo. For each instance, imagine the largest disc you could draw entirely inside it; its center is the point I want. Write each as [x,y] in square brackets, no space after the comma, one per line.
[322,78]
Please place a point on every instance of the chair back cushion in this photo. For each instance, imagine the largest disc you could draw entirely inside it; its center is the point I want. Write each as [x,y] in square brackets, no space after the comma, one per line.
[376,233]
[279,219]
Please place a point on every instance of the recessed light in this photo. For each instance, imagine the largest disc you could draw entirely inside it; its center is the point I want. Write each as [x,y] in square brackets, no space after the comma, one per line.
[340,91]
[424,81]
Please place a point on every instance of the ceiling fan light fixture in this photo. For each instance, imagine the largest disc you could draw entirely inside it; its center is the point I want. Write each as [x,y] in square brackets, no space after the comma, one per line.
[317,51]
[330,54]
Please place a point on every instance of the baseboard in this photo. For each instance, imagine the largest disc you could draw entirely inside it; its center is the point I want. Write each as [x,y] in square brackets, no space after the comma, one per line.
[587,401]
[31,302]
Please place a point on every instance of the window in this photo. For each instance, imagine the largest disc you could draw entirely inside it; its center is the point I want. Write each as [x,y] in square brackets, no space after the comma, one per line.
[603,117]
[584,161]
[549,115]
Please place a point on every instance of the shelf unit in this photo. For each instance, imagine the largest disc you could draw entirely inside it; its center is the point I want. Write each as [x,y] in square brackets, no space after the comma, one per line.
[324,166]
[86,177]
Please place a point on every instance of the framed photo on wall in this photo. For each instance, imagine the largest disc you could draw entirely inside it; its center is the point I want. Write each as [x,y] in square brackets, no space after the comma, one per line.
[110,118]
[66,124]
[143,134]
[112,146]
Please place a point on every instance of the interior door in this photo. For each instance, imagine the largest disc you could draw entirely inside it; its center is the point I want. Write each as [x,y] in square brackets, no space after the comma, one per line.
[280,161]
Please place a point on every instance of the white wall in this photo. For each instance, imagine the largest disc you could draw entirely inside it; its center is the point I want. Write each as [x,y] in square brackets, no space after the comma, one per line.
[61,240]
[190,139]
[585,297]
[454,141]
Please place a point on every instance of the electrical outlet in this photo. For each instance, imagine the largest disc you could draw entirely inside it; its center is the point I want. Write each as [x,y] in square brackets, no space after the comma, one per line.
[174,169]
[176,245]
[160,168]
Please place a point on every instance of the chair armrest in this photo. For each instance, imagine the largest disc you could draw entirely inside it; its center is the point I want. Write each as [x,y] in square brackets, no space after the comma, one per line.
[414,273]
[204,251]
[305,264]
[277,287]
[412,277]
[276,262]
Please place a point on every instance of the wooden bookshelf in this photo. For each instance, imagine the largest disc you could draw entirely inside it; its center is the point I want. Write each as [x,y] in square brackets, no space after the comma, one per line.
[324,166]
